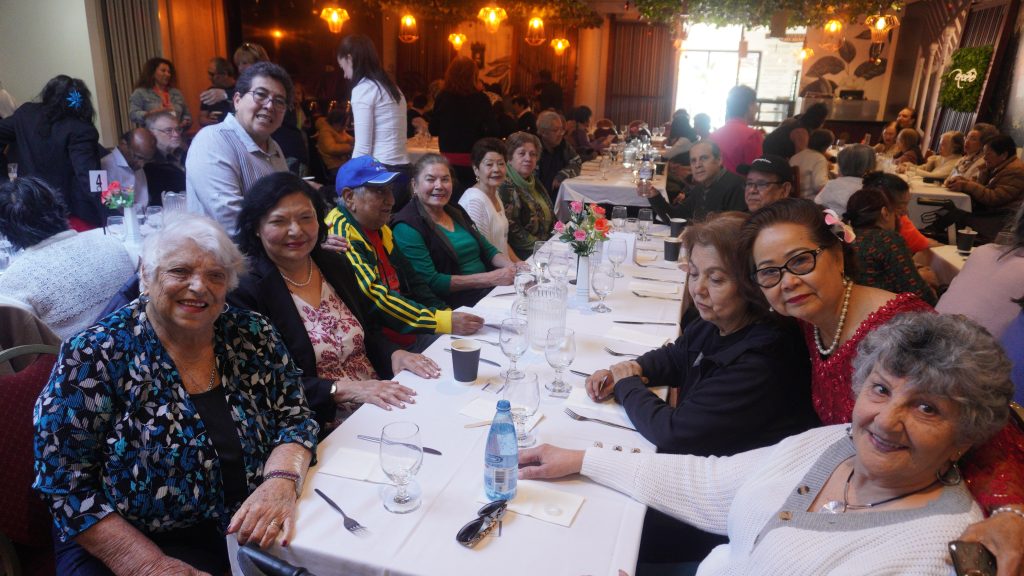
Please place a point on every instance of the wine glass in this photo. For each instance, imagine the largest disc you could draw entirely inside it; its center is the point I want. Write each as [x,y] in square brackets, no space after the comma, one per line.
[155,217]
[644,220]
[602,280]
[560,351]
[525,279]
[400,457]
[541,255]
[558,267]
[617,254]
[514,339]
[613,153]
[524,397]
[631,225]
[115,227]
[12,171]
[618,217]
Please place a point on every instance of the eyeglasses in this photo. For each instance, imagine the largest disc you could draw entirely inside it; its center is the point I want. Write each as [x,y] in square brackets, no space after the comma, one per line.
[260,97]
[760,186]
[489,515]
[169,131]
[799,264]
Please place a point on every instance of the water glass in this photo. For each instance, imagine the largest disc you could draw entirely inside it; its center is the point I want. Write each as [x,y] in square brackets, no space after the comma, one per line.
[603,164]
[558,267]
[12,171]
[155,217]
[631,225]
[560,351]
[613,153]
[115,227]
[618,217]
[401,454]
[523,395]
[644,221]
[541,255]
[617,254]
[525,279]
[602,281]
[513,340]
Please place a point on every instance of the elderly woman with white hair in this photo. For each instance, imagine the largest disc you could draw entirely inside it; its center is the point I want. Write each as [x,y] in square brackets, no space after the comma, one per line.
[941,165]
[881,495]
[854,161]
[172,420]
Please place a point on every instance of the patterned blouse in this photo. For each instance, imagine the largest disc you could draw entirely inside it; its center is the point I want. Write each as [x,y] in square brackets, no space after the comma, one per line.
[337,337]
[116,431]
[530,214]
[884,261]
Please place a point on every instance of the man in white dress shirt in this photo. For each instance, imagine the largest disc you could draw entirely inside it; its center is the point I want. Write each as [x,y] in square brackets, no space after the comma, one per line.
[226,159]
[125,163]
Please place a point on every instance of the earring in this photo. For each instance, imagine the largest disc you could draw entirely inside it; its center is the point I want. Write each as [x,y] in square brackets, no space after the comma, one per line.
[225,308]
[144,297]
[951,477]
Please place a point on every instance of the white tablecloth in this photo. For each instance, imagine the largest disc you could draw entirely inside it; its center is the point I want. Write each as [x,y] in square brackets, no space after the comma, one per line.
[416,148]
[947,263]
[603,538]
[590,186]
[919,189]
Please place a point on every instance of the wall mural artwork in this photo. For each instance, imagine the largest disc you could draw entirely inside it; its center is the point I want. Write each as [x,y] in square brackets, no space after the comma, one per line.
[848,68]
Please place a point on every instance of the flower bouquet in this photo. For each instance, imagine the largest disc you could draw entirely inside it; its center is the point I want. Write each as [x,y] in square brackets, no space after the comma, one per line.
[117,196]
[585,228]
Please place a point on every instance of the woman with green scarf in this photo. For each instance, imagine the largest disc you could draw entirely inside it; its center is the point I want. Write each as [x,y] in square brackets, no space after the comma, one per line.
[527,204]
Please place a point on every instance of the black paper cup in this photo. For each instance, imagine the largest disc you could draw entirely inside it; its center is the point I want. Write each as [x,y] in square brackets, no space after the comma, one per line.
[965,240]
[672,246]
[465,360]
[677,225]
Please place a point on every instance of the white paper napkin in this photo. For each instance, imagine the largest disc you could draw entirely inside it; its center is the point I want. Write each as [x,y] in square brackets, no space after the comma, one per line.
[538,500]
[492,310]
[636,337]
[609,409]
[484,408]
[654,287]
[354,464]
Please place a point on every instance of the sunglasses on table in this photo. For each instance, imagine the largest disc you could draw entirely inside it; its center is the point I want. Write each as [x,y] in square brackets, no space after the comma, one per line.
[489,516]
[799,264]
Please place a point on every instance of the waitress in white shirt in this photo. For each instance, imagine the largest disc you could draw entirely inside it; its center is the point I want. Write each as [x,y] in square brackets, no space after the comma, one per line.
[481,200]
[378,108]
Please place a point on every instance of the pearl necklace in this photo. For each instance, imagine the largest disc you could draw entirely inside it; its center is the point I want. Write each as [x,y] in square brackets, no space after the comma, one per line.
[309,277]
[839,328]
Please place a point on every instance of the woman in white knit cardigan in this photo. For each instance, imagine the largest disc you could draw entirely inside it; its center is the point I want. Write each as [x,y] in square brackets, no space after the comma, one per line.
[880,495]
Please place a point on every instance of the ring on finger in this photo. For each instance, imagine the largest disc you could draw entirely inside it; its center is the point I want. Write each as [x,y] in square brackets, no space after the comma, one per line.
[273,523]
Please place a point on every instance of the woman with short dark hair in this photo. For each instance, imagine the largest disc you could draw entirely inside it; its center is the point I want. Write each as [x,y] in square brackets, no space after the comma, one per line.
[527,203]
[32,219]
[155,92]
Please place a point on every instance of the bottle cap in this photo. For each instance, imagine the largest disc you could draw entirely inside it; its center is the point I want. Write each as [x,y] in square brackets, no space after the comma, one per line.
[504,405]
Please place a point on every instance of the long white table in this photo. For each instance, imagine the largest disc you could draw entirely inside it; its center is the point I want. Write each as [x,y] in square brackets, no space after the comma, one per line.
[590,186]
[605,534]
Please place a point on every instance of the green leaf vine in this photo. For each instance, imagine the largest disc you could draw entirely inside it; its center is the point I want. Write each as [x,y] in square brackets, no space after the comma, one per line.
[963,79]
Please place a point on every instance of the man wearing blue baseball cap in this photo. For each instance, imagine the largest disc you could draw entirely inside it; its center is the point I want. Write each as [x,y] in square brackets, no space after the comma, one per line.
[366,197]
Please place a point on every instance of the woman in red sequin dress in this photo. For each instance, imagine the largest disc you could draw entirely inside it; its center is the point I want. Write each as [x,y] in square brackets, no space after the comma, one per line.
[801,264]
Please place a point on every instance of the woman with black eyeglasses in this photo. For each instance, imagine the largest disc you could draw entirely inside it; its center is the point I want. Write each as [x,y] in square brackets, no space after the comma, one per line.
[801,258]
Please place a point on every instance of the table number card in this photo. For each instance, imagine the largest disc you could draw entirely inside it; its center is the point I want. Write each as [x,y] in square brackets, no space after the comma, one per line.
[97,181]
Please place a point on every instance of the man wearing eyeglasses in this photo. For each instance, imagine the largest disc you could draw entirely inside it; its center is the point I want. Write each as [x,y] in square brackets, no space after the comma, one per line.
[769,178]
[169,144]
[226,159]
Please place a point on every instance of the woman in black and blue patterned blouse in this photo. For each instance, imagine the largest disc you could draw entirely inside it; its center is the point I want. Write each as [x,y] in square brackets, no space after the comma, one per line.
[172,420]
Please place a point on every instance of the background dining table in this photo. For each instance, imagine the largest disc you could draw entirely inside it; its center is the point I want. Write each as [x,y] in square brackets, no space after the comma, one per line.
[921,190]
[617,187]
[604,535]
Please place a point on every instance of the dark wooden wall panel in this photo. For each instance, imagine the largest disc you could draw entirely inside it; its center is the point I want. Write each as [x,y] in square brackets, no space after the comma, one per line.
[640,74]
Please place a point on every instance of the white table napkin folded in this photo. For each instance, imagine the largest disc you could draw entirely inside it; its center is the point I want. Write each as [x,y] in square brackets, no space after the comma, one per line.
[636,337]
[654,287]
[609,410]
[483,409]
[540,501]
[354,464]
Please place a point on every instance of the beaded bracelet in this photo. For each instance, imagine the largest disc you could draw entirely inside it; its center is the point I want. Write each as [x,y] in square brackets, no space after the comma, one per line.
[1009,509]
[287,476]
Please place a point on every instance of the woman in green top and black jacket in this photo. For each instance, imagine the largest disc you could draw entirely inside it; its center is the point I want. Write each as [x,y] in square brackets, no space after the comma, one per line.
[441,243]
[527,204]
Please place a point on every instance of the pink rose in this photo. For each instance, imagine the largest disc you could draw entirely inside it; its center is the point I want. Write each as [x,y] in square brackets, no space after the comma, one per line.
[559,227]
[579,235]
[576,206]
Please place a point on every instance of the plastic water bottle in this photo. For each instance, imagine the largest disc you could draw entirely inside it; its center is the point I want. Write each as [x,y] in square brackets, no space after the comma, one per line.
[501,459]
[646,172]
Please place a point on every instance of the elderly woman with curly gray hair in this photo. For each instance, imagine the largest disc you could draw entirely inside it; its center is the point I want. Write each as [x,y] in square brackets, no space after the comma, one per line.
[882,494]
[172,420]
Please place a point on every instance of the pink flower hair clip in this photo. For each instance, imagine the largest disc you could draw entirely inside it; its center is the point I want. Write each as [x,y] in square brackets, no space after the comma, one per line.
[841,229]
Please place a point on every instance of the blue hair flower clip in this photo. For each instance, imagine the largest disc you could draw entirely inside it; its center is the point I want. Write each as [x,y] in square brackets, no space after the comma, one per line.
[74,99]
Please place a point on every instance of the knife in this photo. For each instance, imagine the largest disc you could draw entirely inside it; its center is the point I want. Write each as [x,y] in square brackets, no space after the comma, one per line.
[644,322]
[377,440]
[578,373]
[649,279]
[484,360]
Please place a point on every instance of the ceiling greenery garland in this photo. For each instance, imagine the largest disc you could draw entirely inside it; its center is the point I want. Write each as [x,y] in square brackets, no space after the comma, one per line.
[576,13]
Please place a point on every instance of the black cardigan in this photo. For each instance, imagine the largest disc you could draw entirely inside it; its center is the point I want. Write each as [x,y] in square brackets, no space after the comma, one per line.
[446,261]
[739,392]
[263,290]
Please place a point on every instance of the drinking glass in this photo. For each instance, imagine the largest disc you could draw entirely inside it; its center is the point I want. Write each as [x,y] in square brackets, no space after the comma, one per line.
[603,164]
[524,397]
[525,279]
[115,227]
[617,254]
[400,457]
[12,171]
[613,153]
[558,267]
[541,255]
[155,217]
[644,220]
[602,281]
[514,340]
[618,217]
[631,225]
[560,351]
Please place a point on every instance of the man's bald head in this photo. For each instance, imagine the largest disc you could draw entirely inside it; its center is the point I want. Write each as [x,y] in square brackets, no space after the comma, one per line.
[138,147]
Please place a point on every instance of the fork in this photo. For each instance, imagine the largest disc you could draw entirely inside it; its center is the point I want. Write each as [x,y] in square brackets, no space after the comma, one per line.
[485,341]
[576,416]
[350,523]
[616,353]
[656,297]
